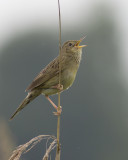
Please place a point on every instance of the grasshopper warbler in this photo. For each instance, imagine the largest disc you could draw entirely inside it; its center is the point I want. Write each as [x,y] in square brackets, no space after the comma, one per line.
[47,80]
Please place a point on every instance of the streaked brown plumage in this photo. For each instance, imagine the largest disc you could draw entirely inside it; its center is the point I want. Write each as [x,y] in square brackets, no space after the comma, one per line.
[47,80]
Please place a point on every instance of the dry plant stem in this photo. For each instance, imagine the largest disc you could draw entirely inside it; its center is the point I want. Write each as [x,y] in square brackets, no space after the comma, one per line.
[30,144]
[50,148]
[59,108]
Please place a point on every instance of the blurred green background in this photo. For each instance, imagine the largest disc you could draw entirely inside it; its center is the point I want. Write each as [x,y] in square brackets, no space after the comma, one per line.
[94,121]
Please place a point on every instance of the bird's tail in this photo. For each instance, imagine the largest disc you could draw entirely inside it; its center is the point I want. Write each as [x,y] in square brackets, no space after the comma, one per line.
[31,95]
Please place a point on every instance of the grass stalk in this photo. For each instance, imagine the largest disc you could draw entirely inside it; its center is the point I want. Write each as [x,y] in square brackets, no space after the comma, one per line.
[59,108]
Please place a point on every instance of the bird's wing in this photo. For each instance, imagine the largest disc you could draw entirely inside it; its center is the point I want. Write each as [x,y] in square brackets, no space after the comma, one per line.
[47,73]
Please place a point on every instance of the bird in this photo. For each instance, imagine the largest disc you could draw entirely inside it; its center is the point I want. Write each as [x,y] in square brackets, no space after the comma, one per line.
[47,81]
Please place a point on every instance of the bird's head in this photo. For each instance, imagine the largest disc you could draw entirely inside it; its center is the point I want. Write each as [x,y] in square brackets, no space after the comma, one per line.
[73,46]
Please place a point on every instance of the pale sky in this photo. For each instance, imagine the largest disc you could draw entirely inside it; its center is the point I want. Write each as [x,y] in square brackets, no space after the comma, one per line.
[19,15]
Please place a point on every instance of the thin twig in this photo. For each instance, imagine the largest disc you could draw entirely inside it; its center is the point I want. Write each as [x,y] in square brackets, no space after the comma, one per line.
[50,148]
[59,108]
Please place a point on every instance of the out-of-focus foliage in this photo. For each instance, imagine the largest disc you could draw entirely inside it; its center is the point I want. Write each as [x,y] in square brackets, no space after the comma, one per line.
[7,141]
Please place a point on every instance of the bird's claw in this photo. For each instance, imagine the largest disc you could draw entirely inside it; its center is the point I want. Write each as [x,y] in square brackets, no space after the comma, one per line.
[58,86]
[58,113]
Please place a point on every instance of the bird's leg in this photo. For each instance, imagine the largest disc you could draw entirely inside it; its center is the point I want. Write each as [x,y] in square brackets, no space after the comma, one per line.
[58,86]
[53,104]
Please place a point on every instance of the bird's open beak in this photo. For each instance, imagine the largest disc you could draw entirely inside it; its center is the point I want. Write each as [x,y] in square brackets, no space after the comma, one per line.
[78,42]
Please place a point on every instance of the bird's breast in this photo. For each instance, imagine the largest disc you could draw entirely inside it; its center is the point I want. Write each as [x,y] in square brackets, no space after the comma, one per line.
[68,77]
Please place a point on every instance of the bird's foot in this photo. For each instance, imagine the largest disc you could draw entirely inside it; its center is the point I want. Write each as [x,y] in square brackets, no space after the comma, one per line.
[58,113]
[58,86]
[59,110]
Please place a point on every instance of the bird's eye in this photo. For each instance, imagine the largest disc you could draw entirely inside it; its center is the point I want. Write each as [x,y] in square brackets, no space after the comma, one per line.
[70,44]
